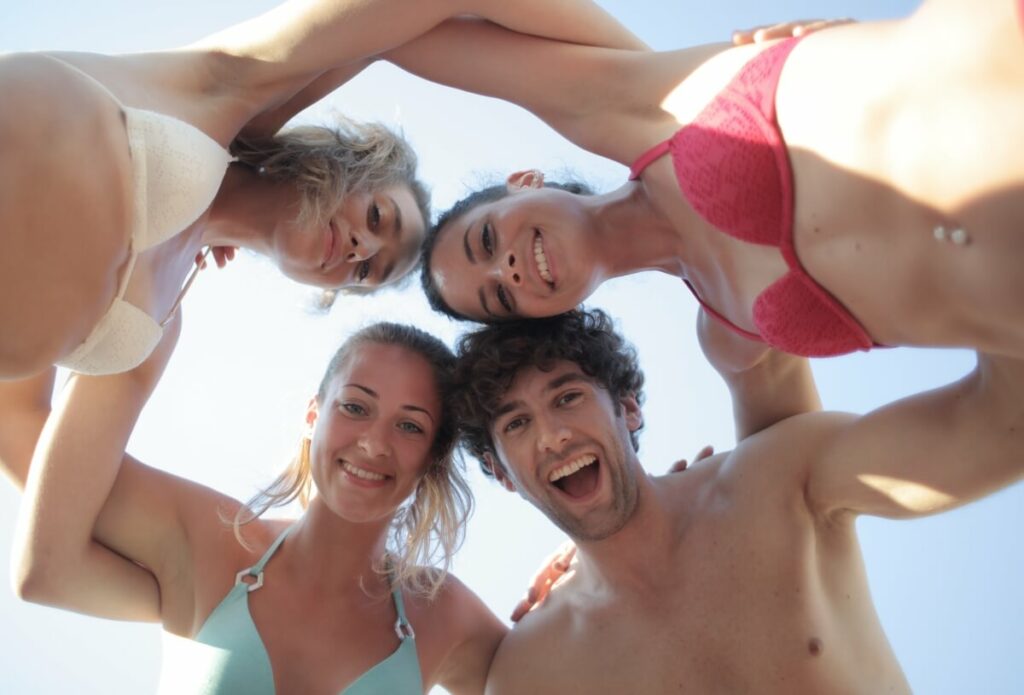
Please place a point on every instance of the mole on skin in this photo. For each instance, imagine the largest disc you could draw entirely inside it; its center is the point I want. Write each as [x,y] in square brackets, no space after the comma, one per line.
[815,646]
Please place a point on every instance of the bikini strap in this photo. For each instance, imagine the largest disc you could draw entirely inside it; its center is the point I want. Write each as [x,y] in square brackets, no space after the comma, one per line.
[402,626]
[255,573]
[644,160]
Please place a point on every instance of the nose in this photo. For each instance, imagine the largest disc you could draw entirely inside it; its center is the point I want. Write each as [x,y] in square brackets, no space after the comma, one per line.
[374,442]
[363,245]
[509,270]
[552,434]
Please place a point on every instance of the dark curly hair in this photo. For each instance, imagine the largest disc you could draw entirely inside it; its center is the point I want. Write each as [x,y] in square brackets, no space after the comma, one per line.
[470,202]
[490,358]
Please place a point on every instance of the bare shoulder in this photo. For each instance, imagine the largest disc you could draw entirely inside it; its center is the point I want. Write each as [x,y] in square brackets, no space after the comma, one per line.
[536,641]
[457,634]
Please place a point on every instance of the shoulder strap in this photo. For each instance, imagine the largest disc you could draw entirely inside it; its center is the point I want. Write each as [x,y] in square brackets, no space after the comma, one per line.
[256,571]
[402,627]
[644,160]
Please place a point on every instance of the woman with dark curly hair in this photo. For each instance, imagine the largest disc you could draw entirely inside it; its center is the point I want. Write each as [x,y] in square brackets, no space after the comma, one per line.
[857,187]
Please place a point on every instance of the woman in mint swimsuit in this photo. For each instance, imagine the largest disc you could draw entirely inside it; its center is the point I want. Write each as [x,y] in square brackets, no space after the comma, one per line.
[338,601]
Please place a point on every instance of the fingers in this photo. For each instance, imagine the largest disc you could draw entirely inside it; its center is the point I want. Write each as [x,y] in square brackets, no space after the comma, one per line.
[784,30]
[679,466]
[552,569]
[682,464]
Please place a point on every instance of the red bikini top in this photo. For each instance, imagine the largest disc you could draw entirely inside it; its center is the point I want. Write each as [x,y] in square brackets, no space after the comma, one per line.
[733,168]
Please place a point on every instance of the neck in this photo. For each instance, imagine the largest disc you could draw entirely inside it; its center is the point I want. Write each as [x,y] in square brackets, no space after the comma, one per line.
[633,235]
[640,555]
[331,554]
[246,210]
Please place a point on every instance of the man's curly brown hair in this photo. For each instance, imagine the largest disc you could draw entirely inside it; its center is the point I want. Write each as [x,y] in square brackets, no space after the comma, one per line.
[489,360]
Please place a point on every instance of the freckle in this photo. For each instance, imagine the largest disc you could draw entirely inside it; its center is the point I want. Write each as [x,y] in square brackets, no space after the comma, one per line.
[817,230]
[815,646]
[856,246]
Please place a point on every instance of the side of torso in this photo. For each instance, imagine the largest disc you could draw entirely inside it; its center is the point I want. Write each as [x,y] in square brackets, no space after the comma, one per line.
[877,165]
[755,598]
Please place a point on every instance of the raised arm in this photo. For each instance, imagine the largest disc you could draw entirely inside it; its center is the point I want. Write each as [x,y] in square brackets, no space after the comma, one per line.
[24,409]
[927,453]
[283,50]
[577,22]
[766,385]
[79,493]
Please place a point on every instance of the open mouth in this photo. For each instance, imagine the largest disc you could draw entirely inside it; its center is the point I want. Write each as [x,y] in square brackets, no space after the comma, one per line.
[541,258]
[363,476]
[578,478]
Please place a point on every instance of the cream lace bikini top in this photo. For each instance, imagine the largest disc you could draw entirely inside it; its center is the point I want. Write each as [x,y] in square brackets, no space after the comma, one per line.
[176,172]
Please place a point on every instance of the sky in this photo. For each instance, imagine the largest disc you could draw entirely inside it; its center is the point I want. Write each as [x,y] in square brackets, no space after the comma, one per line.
[228,412]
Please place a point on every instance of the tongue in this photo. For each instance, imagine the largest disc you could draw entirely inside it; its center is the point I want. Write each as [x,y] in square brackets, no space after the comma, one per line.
[581,483]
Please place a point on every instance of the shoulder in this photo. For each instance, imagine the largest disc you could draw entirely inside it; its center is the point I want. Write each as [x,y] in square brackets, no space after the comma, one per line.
[458,633]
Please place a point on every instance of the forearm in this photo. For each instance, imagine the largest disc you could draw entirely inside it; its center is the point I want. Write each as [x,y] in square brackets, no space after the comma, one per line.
[24,407]
[778,387]
[302,39]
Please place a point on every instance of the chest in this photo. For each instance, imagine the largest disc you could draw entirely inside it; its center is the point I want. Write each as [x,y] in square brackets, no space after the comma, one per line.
[319,646]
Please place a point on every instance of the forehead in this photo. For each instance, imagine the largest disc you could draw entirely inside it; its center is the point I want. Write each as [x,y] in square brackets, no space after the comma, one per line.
[393,372]
[536,381]
[414,228]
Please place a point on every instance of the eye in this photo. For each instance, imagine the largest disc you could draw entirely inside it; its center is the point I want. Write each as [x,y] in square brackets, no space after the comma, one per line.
[362,271]
[487,239]
[568,398]
[514,424]
[410,427]
[503,299]
[353,408]
[373,216]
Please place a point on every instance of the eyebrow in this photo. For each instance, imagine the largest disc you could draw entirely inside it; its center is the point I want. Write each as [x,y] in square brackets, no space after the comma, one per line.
[465,245]
[385,276]
[408,406]
[556,383]
[483,302]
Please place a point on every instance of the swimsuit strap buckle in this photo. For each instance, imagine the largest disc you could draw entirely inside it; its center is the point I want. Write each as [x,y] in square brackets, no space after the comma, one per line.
[402,629]
[256,579]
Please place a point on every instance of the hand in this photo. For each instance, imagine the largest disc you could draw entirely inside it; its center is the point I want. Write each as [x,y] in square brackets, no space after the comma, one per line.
[680,465]
[551,571]
[784,30]
[221,256]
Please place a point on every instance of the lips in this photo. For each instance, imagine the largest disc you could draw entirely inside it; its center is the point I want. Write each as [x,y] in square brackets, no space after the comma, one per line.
[578,478]
[330,241]
[541,261]
[363,477]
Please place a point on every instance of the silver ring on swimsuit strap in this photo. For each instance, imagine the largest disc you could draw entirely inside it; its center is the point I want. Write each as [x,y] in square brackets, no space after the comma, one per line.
[251,586]
[403,630]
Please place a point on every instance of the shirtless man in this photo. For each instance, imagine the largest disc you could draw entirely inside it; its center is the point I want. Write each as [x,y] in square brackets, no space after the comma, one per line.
[742,574]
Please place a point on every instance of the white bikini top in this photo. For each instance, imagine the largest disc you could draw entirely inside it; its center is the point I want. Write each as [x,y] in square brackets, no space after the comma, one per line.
[176,172]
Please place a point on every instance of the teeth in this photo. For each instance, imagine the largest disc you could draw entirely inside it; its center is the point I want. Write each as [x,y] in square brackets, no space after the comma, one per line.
[571,467]
[360,472]
[542,260]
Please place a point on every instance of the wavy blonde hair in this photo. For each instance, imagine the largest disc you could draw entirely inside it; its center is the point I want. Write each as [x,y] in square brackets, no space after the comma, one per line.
[327,163]
[426,532]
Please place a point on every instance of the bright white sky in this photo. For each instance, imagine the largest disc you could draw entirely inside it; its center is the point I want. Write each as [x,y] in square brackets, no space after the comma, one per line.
[230,407]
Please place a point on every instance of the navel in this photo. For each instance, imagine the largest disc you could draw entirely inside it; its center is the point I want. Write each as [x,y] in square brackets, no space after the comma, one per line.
[815,646]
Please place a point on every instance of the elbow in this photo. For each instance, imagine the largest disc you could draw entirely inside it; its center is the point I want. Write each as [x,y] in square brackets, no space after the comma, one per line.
[37,582]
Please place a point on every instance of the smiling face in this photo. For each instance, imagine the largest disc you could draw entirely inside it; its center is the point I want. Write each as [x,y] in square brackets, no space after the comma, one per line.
[374,430]
[564,445]
[529,254]
[371,239]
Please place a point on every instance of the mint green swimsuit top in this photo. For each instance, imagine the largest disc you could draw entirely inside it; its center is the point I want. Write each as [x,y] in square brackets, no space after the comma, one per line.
[238,661]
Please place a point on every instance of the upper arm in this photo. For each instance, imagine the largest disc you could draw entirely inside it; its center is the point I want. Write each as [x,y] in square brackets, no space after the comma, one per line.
[580,91]
[928,452]
[766,385]
[466,665]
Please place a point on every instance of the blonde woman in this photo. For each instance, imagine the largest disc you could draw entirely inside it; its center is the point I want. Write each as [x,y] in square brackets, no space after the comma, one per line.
[133,150]
[339,600]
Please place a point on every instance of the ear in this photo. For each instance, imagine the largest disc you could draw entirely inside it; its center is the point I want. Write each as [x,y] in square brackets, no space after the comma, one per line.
[631,411]
[499,472]
[312,412]
[522,180]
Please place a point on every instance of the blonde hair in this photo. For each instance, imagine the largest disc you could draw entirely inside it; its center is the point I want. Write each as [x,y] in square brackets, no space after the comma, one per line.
[327,163]
[425,533]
